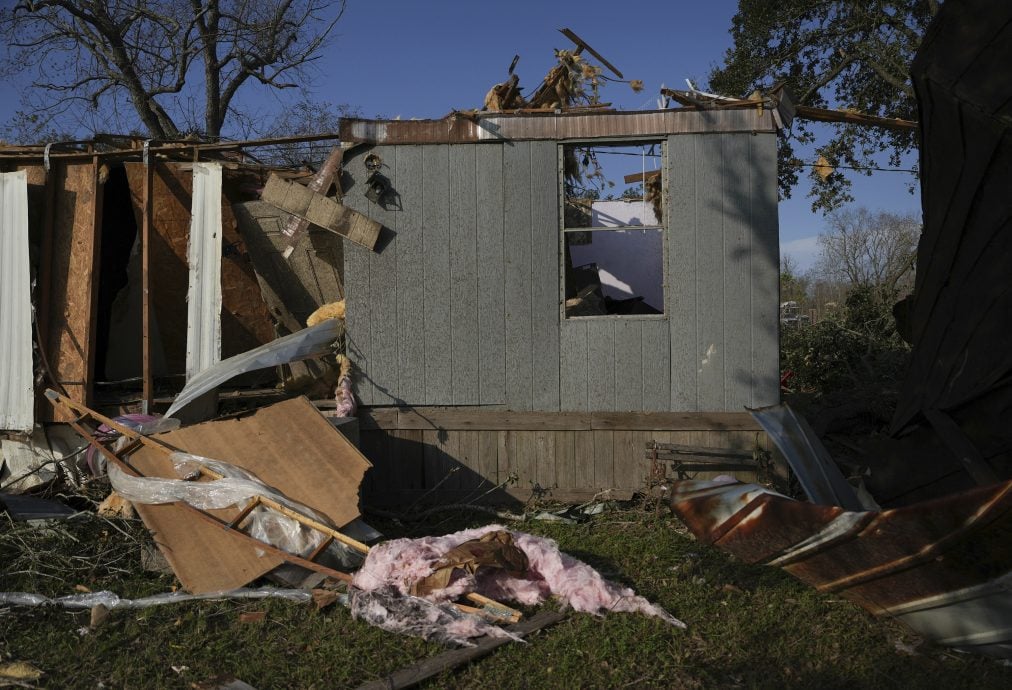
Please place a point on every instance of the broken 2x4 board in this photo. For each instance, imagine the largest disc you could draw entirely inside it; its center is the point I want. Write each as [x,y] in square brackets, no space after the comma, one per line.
[290,446]
[320,210]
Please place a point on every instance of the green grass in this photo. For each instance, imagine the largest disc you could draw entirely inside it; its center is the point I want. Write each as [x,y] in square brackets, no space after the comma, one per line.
[748,626]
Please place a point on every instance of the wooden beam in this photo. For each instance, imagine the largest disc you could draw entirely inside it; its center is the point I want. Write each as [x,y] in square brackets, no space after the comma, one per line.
[640,177]
[317,209]
[583,45]
[297,227]
[843,116]
[147,385]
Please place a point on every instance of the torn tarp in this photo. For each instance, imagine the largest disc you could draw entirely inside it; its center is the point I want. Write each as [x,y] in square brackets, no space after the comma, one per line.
[309,342]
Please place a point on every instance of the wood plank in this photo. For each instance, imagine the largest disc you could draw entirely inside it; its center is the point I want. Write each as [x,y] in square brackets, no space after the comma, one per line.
[467,455]
[406,459]
[573,367]
[604,459]
[436,260]
[713,171]
[463,276]
[525,459]
[384,368]
[410,278]
[517,274]
[490,258]
[601,364]
[674,421]
[737,272]
[544,277]
[765,260]
[507,456]
[656,348]
[566,473]
[323,211]
[628,365]
[546,458]
[583,464]
[681,291]
[488,456]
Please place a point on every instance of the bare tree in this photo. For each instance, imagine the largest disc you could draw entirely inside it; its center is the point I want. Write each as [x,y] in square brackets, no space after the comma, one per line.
[157,58]
[870,249]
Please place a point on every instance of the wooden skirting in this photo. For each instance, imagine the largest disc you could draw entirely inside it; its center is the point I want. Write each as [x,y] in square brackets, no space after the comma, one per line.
[486,419]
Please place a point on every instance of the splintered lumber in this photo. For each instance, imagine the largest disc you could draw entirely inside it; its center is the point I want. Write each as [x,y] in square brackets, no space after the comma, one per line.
[296,227]
[329,214]
[413,675]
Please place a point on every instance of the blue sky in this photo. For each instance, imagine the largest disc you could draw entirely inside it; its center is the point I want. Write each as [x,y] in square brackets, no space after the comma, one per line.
[414,59]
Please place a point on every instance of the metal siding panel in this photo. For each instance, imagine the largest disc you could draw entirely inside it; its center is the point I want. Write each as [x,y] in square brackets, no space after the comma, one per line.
[545,274]
[383,296]
[436,260]
[410,277]
[601,365]
[656,348]
[491,309]
[574,365]
[710,206]
[628,366]
[203,300]
[16,375]
[680,293]
[765,260]
[737,271]
[463,275]
[517,283]
[358,308]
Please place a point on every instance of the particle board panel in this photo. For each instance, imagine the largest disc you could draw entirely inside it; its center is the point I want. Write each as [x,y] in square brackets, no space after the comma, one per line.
[765,268]
[604,459]
[656,352]
[245,320]
[711,207]
[737,327]
[383,264]
[517,275]
[465,383]
[491,285]
[681,292]
[410,277]
[544,279]
[628,365]
[72,291]
[573,365]
[436,267]
[601,368]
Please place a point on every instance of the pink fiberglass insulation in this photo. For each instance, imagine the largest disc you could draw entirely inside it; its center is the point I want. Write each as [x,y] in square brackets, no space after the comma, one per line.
[401,562]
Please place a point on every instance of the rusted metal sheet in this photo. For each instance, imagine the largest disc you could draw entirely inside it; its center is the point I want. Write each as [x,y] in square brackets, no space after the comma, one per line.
[941,566]
[550,126]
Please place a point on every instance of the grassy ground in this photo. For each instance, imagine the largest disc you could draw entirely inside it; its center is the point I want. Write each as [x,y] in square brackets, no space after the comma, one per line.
[748,626]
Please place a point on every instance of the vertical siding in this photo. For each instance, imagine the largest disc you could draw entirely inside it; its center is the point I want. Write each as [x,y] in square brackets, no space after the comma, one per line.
[436,260]
[544,277]
[574,345]
[463,276]
[383,297]
[517,274]
[601,364]
[628,365]
[655,339]
[491,296]
[737,188]
[410,276]
[765,265]
[358,312]
[680,294]
[710,209]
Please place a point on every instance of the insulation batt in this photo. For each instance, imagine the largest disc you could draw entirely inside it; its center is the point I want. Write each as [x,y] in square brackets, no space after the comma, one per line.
[401,562]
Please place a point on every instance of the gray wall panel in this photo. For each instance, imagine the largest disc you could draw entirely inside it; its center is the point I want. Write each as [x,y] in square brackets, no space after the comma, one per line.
[601,364]
[517,274]
[491,286]
[574,365]
[710,210]
[436,262]
[628,365]
[656,340]
[410,276]
[358,306]
[545,297]
[738,189]
[463,276]
[383,296]
[680,295]
[765,272]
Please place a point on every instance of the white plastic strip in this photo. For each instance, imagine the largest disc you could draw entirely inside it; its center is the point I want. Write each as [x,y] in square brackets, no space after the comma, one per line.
[203,317]
[16,390]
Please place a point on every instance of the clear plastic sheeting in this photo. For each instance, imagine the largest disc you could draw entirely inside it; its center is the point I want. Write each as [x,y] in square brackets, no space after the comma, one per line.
[236,488]
[144,424]
[388,610]
[309,342]
[111,600]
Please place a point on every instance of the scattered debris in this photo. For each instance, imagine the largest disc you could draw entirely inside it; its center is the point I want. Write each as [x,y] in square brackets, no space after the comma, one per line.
[31,508]
[112,601]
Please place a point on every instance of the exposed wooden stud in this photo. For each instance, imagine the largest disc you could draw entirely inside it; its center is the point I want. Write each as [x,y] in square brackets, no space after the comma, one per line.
[147,385]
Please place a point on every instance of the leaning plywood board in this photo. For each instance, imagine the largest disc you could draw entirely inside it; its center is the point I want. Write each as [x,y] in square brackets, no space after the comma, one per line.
[291,447]
[245,320]
[320,210]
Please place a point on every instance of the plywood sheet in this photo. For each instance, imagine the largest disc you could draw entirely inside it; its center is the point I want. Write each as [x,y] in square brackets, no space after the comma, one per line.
[291,447]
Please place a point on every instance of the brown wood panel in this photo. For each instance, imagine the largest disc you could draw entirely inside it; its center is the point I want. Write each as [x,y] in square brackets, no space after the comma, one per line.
[628,460]
[647,421]
[526,459]
[507,455]
[583,465]
[566,474]
[467,454]
[544,442]
[245,318]
[604,459]
[73,270]
[488,455]
[469,418]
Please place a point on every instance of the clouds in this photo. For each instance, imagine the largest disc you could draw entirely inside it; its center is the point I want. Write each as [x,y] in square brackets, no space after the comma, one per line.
[804,251]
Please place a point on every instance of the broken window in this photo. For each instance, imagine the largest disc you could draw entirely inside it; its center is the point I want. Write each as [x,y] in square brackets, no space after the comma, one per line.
[613,229]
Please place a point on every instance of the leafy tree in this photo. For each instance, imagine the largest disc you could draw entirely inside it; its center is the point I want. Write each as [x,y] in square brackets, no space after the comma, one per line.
[830,53]
[159,64]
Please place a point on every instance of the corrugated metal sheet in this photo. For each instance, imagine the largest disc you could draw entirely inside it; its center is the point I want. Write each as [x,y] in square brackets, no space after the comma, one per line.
[16,392]
[203,330]
[555,127]
[942,566]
